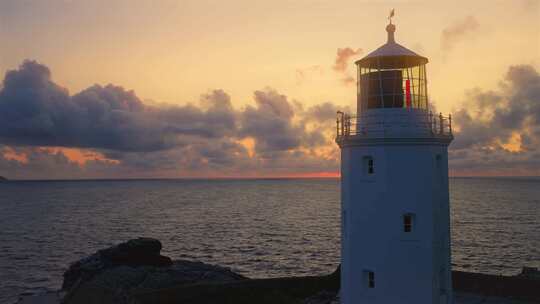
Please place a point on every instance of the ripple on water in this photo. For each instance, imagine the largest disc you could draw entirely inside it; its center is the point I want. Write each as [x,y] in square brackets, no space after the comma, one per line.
[260,228]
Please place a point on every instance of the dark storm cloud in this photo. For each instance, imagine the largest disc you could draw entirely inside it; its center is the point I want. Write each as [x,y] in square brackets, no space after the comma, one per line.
[492,119]
[458,31]
[34,111]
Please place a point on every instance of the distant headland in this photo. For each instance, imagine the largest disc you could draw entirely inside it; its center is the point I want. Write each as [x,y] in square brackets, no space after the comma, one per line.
[3,179]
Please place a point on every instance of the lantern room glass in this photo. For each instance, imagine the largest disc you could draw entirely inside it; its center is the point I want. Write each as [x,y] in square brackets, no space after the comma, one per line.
[388,86]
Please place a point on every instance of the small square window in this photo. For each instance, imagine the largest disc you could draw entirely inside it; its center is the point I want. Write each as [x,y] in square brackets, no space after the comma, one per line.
[408,222]
[369,165]
[369,277]
[438,161]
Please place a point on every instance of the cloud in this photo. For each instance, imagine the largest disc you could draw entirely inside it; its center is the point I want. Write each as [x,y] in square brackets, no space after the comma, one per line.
[499,130]
[458,31]
[341,63]
[118,135]
[34,111]
[43,163]
[272,123]
[343,56]
[340,66]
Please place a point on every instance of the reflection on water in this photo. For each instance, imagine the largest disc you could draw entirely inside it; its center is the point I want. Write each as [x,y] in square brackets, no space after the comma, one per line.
[260,228]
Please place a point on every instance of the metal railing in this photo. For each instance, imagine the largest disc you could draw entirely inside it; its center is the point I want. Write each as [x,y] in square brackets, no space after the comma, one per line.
[348,125]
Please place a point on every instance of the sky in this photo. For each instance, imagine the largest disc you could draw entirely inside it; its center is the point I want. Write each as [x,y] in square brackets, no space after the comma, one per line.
[127,89]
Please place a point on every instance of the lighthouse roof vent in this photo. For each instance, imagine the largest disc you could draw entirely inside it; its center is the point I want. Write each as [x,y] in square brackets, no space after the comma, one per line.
[391,55]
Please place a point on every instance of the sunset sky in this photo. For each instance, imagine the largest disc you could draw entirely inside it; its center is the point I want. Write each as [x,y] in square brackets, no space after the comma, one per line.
[250,88]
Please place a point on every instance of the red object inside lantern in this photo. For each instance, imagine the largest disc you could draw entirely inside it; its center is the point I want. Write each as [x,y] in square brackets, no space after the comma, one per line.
[408,92]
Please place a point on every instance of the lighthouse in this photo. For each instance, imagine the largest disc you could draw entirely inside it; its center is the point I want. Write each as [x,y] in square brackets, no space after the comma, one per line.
[394,185]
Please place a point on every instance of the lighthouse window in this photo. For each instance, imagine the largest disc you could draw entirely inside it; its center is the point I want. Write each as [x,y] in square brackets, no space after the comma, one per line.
[408,222]
[369,277]
[368,164]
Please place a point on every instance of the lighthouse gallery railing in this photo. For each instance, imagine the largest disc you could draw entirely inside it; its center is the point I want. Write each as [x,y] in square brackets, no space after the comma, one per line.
[347,125]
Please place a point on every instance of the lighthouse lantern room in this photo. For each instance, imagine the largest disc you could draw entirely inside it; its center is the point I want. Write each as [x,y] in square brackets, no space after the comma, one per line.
[394,185]
[392,77]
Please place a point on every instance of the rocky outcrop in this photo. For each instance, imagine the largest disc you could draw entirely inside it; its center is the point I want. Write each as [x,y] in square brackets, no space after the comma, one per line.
[112,275]
[133,253]
[3,179]
[135,272]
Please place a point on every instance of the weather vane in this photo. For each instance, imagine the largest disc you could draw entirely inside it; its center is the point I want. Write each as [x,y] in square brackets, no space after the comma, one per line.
[391,15]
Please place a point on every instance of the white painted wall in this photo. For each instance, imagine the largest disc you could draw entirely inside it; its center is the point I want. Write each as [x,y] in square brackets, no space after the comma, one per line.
[411,176]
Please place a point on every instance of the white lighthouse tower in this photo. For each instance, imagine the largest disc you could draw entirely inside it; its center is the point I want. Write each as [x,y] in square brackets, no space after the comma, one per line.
[394,185]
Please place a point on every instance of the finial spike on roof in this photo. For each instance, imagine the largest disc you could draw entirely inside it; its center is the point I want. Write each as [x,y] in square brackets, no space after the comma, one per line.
[390,29]
[391,15]
[391,54]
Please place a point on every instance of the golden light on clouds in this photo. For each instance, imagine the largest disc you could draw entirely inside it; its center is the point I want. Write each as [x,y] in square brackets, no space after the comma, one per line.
[171,52]
[79,156]
[249,144]
[11,154]
[513,144]
[74,155]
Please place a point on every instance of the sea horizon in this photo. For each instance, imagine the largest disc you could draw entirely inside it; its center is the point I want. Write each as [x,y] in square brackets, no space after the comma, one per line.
[384,145]
[249,178]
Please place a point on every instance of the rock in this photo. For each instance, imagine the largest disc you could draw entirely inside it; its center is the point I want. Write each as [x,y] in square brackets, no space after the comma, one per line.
[115,285]
[111,275]
[3,179]
[136,252]
[133,272]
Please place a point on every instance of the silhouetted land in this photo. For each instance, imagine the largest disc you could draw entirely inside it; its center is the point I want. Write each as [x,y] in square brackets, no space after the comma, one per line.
[136,272]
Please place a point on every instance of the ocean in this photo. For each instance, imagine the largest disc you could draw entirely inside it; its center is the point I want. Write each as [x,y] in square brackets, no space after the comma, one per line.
[259,228]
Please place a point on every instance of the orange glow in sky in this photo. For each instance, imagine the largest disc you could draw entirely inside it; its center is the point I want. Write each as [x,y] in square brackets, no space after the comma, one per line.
[171,52]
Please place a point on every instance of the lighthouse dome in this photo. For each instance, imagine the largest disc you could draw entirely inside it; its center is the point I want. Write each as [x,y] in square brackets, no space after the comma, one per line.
[391,55]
